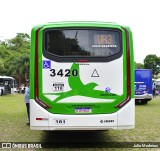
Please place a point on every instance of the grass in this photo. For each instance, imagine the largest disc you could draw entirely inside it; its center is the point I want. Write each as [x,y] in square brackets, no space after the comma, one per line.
[13,127]
[13,117]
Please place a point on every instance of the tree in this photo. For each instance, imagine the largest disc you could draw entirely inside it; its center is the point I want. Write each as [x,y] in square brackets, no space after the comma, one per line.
[19,43]
[138,65]
[14,57]
[152,62]
[19,68]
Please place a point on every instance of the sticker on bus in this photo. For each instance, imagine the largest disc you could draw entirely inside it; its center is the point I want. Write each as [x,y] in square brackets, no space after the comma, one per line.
[46,64]
[57,86]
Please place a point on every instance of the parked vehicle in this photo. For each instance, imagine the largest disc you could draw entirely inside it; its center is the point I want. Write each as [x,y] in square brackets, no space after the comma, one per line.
[157,84]
[143,85]
[7,85]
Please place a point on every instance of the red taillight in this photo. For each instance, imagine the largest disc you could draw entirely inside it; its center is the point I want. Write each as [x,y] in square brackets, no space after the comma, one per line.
[36,86]
[128,98]
[41,103]
[123,102]
[39,119]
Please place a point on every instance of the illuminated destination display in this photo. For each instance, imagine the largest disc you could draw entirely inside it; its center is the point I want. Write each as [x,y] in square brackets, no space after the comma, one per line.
[104,40]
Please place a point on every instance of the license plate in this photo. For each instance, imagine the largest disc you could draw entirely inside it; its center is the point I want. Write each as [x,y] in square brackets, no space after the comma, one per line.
[83,110]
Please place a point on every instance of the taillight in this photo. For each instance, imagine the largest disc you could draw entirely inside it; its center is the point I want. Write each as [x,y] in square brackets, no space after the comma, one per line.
[128,98]
[36,86]
[41,119]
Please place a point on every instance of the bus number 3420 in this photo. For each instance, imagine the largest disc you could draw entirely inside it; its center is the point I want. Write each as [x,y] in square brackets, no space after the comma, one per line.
[65,73]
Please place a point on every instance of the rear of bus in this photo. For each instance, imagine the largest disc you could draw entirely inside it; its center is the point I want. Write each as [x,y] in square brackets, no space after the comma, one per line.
[143,85]
[82,77]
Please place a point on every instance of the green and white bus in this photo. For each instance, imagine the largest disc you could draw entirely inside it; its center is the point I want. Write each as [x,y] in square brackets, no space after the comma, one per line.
[81,77]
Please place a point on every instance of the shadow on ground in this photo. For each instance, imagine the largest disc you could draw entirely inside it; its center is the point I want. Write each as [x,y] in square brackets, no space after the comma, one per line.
[76,139]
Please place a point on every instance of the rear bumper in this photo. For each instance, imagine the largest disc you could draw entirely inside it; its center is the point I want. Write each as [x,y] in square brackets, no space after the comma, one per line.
[123,119]
[144,96]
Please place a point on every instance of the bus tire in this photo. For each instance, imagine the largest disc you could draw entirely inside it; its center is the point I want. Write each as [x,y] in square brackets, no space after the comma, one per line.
[148,100]
[143,102]
[1,92]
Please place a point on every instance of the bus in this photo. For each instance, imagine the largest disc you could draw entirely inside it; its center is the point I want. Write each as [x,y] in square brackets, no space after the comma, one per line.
[157,86]
[7,85]
[81,76]
[143,85]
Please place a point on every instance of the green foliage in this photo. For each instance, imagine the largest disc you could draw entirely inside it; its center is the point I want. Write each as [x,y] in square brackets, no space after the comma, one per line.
[19,43]
[14,57]
[138,65]
[152,62]
[157,77]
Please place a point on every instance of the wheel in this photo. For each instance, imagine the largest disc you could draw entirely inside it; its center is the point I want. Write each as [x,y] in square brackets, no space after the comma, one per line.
[1,92]
[144,102]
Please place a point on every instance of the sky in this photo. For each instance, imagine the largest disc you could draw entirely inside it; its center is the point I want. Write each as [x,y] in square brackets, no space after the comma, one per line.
[142,16]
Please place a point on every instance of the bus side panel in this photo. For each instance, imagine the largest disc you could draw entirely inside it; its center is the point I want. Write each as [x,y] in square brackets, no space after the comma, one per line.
[32,63]
[32,60]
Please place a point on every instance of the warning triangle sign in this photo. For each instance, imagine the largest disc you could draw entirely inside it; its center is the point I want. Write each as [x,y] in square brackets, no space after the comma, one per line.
[95,73]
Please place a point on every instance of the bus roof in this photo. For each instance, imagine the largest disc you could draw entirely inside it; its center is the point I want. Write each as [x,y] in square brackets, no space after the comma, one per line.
[6,77]
[80,23]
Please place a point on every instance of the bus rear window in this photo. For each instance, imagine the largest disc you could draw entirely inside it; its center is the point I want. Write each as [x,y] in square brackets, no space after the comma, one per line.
[77,43]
